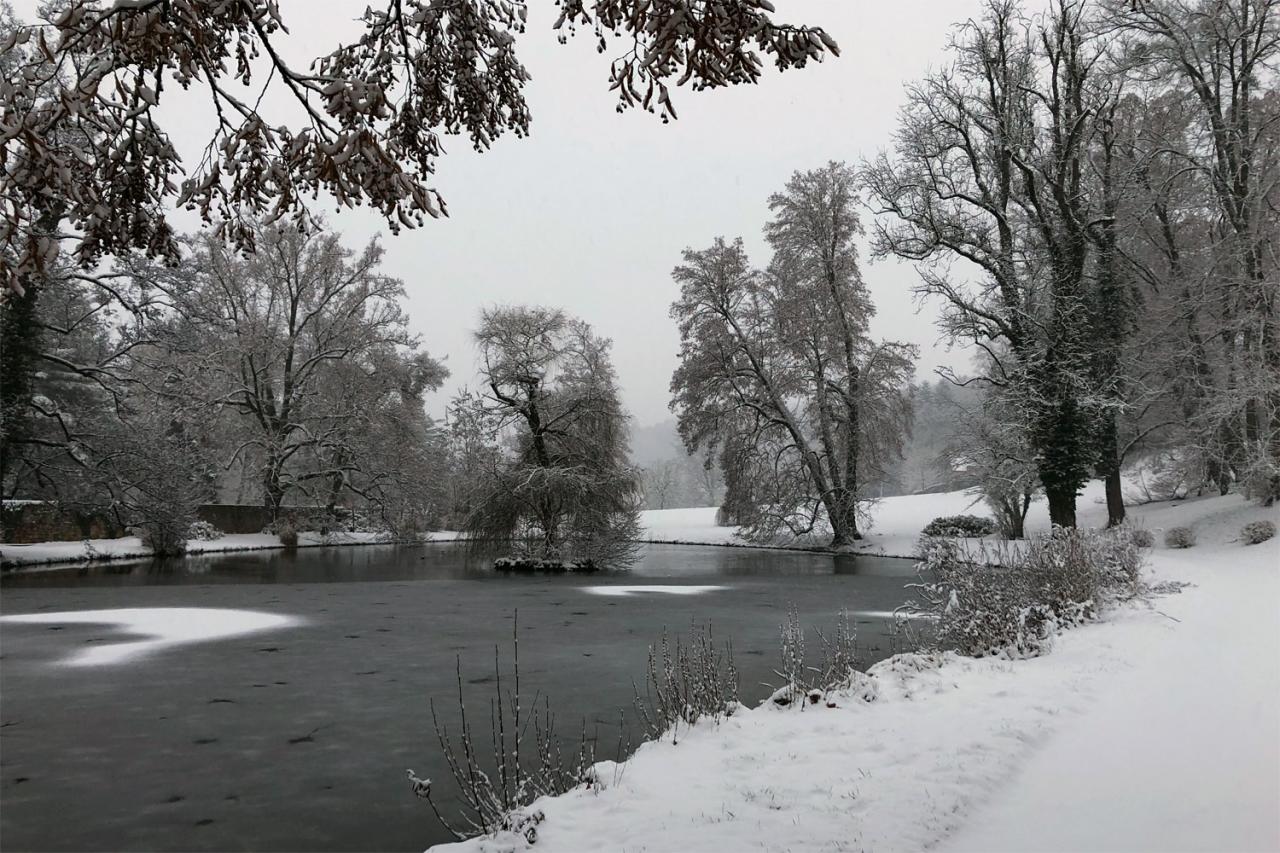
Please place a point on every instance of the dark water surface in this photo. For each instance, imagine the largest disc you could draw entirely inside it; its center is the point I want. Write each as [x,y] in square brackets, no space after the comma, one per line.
[298,738]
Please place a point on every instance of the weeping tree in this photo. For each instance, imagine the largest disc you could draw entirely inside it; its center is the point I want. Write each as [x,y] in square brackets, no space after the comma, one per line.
[563,492]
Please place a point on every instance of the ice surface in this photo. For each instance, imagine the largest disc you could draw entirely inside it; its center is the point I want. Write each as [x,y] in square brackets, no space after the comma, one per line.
[161,627]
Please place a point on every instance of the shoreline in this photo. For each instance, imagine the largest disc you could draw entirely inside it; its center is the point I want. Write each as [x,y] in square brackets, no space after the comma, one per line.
[60,555]
[72,559]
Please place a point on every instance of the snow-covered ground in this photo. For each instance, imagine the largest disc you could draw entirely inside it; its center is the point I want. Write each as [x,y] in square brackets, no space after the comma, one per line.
[896,524]
[1156,729]
[131,547]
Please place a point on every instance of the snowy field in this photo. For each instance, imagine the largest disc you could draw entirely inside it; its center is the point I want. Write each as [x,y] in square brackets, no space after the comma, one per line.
[896,522]
[1157,729]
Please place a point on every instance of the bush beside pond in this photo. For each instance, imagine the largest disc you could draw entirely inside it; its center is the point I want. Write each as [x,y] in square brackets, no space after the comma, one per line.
[960,525]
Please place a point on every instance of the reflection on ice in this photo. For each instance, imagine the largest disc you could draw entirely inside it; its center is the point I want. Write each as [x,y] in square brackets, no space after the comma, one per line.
[619,591]
[161,627]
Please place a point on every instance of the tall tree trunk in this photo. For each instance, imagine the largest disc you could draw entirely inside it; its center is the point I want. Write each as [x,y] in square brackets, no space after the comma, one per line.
[842,512]
[1062,505]
[1109,469]
[272,491]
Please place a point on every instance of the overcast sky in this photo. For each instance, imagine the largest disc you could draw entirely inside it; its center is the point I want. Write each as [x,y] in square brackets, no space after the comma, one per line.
[592,211]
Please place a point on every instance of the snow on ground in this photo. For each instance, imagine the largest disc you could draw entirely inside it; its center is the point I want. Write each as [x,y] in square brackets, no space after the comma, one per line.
[160,627]
[896,522]
[1157,729]
[131,547]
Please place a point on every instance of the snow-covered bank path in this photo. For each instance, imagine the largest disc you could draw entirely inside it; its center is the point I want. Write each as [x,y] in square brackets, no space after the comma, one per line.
[1181,751]
[1157,729]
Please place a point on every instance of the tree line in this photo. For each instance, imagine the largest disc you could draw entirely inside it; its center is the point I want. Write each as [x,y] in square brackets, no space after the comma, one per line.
[1091,195]
[1088,194]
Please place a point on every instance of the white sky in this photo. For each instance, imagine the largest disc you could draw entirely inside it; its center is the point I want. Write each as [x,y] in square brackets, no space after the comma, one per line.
[592,211]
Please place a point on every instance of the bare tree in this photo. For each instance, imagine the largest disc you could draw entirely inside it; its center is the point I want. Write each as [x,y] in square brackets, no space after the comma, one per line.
[1218,58]
[660,482]
[777,367]
[991,168]
[307,345]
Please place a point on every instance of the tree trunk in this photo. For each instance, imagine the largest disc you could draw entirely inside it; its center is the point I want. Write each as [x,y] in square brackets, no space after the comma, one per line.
[272,491]
[1109,470]
[1062,506]
[1115,498]
[842,513]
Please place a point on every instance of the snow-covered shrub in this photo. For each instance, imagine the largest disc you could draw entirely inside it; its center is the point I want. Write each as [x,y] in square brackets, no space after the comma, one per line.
[1179,537]
[686,683]
[1012,601]
[1169,475]
[164,538]
[1120,560]
[1257,532]
[960,525]
[1140,537]
[203,531]
[836,670]
[288,533]
[495,790]
[977,607]
[1262,480]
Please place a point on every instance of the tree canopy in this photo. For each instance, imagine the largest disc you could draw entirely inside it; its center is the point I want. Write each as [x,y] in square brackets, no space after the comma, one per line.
[87,161]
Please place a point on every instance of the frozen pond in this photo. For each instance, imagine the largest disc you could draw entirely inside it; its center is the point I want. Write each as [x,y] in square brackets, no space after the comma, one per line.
[280,709]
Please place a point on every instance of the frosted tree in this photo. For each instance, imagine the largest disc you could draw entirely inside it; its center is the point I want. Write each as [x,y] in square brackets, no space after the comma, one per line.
[1210,67]
[661,480]
[992,170]
[63,386]
[86,159]
[991,442]
[159,470]
[776,366]
[563,493]
[305,345]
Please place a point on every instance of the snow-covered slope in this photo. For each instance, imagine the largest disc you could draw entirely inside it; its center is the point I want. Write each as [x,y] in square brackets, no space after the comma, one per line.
[1158,729]
[896,522]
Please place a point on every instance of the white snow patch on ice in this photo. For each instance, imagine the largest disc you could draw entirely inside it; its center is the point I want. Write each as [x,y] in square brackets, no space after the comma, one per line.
[161,627]
[890,614]
[620,591]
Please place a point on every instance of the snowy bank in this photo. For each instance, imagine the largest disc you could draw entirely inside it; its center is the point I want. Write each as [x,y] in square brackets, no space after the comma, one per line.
[896,522]
[895,527]
[1153,730]
[131,547]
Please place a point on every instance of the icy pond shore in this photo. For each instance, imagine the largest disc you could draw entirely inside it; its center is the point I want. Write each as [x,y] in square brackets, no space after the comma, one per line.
[1153,729]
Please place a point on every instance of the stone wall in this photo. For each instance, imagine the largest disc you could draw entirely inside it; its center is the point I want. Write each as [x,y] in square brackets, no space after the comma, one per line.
[24,522]
[235,518]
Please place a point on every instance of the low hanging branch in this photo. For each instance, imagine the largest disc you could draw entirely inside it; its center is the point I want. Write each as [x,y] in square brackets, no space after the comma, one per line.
[86,160]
